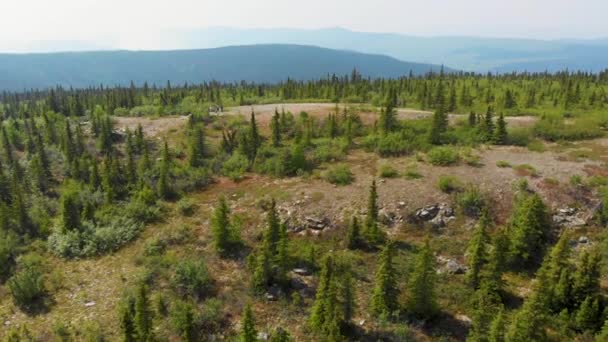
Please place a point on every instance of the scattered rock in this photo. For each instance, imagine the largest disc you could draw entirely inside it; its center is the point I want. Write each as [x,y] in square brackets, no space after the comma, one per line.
[465,319]
[451,266]
[316,223]
[263,336]
[89,304]
[569,218]
[583,240]
[361,322]
[437,214]
[7,323]
[401,204]
[301,271]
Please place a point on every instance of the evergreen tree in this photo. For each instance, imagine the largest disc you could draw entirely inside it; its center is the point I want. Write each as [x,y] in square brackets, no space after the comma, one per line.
[248,331]
[477,251]
[275,127]
[107,181]
[422,300]
[261,272]
[70,209]
[353,237]
[163,188]
[143,315]
[528,229]
[438,127]
[488,125]
[281,260]
[196,155]
[385,293]
[529,323]
[373,234]
[388,120]
[497,328]
[127,322]
[254,137]
[500,133]
[273,228]
[220,226]
[472,119]
[321,308]
[280,335]
[588,314]
[586,279]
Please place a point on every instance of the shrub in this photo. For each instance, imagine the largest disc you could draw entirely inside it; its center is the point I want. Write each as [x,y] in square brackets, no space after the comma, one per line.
[27,287]
[503,164]
[449,184]
[95,240]
[339,174]
[155,247]
[576,180]
[8,250]
[183,320]
[443,156]
[526,170]
[387,171]
[393,144]
[536,146]
[554,128]
[327,150]
[411,172]
[471,201]
[186,207]
[236,166]
[192,279]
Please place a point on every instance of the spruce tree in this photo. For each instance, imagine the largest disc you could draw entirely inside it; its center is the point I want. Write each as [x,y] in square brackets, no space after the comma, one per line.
[262,268]
[220,226]
[353,237]
[586,278]
[321,309]
[127,322]
[248,331]
[275,127]
[196,155]
[281,259]
[497,327]
[373,234]
[488,125]
[254,137]
[163,188]
[280,335]
[70,209]
[385,293]
[588,314]
[388,120]
[500,133]
[528,229]
[422,299]
[143,314]
[477,251]
[472,119]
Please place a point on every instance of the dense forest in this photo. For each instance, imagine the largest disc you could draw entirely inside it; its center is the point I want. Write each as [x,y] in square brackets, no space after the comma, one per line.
[74,187]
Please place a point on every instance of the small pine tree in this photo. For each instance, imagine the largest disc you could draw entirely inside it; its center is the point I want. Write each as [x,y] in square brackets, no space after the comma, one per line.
[127,322]
[477,251]
[528,229]
[497,327]
[588,314]
[321,309]
[220,226]
[248,331]
[281,259]
[500,133]
[70,209]
[385,293]
[387,121]
[280,335]
[261,272]
[373,234]
[143,315]
[488,125]
[196,155]
[472,119]
[163,188]
[275,127]
[422,299]
[353,237]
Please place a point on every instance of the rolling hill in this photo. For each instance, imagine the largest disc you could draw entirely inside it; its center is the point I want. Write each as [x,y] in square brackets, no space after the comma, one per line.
[465,53]
[259,63]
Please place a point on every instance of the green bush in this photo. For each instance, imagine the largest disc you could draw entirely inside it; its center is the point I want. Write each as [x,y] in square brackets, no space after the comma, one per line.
[329,150]
[554,128]
[191,278]
[387,171]
[411,172]
[186,207]
[236,166]
[471,201]
[503,164]
[393,144]
[94,240]
[27,287]
[449,184]
[339,174]
[443,156]
[8,251]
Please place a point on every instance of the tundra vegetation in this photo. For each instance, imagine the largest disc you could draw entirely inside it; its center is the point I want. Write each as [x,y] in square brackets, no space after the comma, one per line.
[148,221]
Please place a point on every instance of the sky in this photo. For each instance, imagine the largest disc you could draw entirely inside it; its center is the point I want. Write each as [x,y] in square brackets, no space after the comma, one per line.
[39,25]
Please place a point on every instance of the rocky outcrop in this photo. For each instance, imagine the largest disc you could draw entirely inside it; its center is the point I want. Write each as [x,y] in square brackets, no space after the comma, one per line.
[570,218]
[451,266]
[437,215]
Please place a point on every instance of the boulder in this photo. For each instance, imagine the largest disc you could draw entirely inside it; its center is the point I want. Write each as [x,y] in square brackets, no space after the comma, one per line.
[569,217]
[301,271]
[453,267]
[427,213]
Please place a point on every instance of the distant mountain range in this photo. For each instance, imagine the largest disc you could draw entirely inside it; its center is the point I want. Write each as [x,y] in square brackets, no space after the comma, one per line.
[259,63]
[464,53]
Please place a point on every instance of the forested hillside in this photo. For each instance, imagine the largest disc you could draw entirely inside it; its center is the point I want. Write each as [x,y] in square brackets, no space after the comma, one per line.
[439,207]
[255,63]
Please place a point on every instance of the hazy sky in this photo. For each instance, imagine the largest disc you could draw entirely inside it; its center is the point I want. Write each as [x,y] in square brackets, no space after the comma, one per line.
[29,24]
